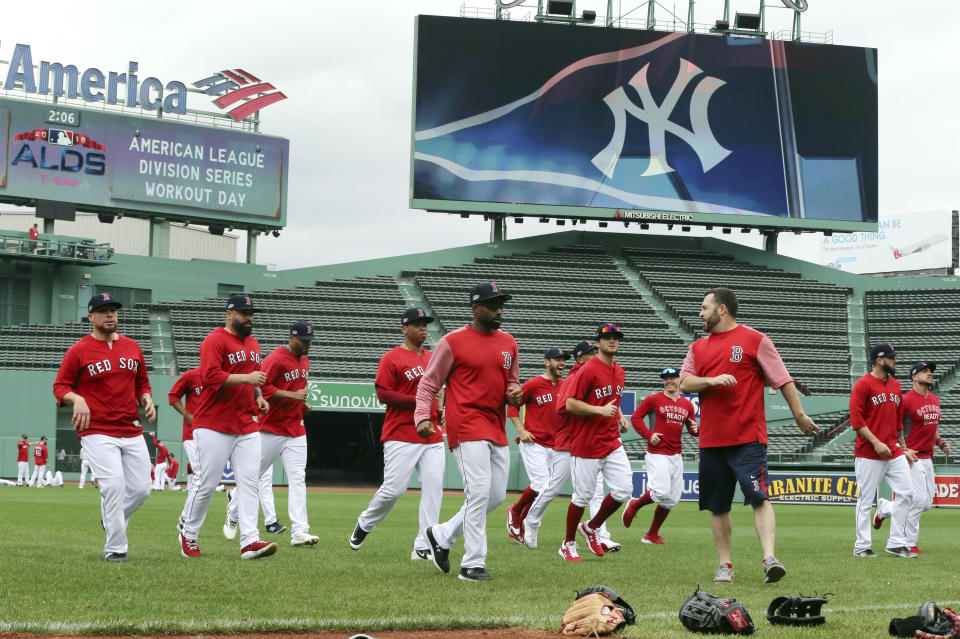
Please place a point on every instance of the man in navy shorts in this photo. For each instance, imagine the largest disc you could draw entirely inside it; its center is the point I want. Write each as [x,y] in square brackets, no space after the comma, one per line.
[729,369]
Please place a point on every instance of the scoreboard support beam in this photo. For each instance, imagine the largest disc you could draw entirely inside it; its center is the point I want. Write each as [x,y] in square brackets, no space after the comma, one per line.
[770,241]
[159,237]
[498,228]
[251,247]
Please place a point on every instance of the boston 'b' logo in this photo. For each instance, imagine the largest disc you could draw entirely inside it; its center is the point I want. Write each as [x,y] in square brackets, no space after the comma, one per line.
[736,353]
[507,359]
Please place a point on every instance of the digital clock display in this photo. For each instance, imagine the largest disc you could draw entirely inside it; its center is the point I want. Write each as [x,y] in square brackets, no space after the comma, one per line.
[68,117]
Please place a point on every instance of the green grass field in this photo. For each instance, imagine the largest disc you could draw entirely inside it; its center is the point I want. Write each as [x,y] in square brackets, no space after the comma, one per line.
[56,581]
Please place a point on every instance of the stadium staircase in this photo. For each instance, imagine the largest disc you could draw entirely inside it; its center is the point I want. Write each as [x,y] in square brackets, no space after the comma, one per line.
[857,333]
[650,297]
[413,297]
[161,342]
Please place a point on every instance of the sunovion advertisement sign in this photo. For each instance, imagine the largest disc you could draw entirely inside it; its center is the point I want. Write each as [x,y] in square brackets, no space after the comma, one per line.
[537,119]
[110,162]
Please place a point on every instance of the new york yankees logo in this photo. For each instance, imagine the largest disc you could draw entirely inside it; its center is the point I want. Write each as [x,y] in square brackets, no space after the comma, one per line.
[657,117]
[736,353]
[507,359]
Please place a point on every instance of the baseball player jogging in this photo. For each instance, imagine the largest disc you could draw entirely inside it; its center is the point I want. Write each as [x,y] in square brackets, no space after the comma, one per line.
[664,463]
[23,463]
[593,398]
[583,352]
[104,377]
[729,368]
[40,456]
[283,436]
[85,467]
[535,434]
[188,386]
[876,413]
[226,427]
[398,376]
[160,469]
[921,409]
[479,365]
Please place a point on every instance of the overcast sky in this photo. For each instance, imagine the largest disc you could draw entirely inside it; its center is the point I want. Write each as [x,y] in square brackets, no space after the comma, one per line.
[347,69]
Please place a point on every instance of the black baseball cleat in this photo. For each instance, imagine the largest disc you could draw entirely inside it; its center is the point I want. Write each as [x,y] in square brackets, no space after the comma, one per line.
[901,551]
[118,557]
[357,537]
[475,574]
[276,528]
[440,556]
[865,554]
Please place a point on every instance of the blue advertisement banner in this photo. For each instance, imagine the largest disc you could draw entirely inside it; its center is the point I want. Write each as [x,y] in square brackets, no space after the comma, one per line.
[783,488]
[637,121]
[110,162]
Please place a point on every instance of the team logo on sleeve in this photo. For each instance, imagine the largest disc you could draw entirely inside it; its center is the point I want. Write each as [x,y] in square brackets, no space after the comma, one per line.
[507,359]
[736,353]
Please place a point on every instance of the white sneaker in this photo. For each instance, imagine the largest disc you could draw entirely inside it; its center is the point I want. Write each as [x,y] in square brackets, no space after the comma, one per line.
[230,529]
[303,538]
[530,537]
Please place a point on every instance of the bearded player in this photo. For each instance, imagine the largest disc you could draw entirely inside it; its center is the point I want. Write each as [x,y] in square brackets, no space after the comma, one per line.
[226,426]
[595,449]
[284,436]
[663,460]
[404,451]
[535,434]
[921,409]
[479,365]
[104,377]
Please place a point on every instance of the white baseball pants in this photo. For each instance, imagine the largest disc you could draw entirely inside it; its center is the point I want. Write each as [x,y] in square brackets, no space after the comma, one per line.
[400,459]
[869,473]
[54,479]
[213,450]
[171,482]
[615,470]
[193,479]
[485,468]
[924,482]
[37,478]
[159,475]
[559,476]
[23,473]
[264,494]
[84,467]
[664,478]
[122,465]
[537,460]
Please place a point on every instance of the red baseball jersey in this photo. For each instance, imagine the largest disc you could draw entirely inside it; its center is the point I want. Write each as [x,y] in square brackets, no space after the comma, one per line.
[110,376]
[597,384]
[227,409]
[539,409]
[400,370]
[40,454]
[22,450]
[172,467]
[878,405]
[561,440]
[670,416]
[477,368]
[734,415]
[922,415]
[288,373]
[188,385]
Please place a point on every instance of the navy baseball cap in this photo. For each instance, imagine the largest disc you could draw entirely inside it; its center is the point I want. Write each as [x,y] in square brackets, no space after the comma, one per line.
[583,348]
[414,315]
[883,349]
[555,352]
[102,299]
[240,302]
[608,330]
[919,366]
[302,329]
[487,291]
[669,371]
[25,436]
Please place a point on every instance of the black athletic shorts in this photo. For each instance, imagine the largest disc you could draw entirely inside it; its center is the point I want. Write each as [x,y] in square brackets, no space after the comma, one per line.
[722,467]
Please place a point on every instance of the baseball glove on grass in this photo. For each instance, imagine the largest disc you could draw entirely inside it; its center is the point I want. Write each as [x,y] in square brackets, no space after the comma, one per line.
[594,614]
[796,611]
[702,612]
[930,623]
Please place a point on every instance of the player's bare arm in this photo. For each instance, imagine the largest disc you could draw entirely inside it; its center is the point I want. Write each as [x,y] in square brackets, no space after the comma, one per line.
[425,428]
[514,395]
[523,434]
[578,407]
[910,454]
[146,401]
[942,445]
[300,395]
[695,384]
[881,449]
[256,378]
[806,425]
[693,427]
[260,401]
[655,439]
[81,412]
[623,421]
